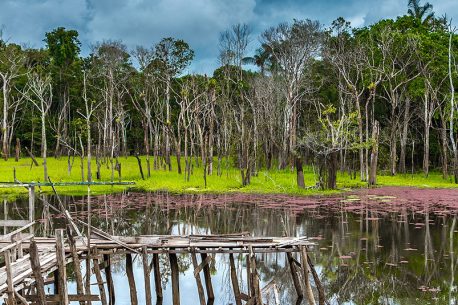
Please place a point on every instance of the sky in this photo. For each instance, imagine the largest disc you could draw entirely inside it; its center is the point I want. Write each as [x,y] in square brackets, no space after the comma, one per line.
[198,22]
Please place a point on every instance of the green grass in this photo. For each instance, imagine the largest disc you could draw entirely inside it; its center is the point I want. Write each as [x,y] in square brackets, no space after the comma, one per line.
[266,182]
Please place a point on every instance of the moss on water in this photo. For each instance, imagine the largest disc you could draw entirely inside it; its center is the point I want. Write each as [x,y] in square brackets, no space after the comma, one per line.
[265,182]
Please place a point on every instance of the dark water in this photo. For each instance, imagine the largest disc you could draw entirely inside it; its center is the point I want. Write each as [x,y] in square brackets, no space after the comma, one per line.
[366,252]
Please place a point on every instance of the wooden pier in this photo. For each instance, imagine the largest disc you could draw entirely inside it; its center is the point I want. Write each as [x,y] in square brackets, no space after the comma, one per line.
[30,262]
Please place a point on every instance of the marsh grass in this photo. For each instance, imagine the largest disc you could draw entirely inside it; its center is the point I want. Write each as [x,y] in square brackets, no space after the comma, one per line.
[265,182]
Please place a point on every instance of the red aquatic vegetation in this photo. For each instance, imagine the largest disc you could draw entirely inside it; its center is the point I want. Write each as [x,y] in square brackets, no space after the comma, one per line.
[378,202]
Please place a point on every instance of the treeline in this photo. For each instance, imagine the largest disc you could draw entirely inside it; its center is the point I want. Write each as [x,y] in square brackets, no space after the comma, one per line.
[339,98]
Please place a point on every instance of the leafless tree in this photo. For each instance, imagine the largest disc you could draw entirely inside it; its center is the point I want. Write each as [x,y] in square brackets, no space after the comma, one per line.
[40,96]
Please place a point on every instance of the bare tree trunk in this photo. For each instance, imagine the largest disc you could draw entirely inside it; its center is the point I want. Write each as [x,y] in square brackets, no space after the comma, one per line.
[5,148]
[333,166]
[405,129]
[444,142]
[374,154]
[44,146]
[299,173]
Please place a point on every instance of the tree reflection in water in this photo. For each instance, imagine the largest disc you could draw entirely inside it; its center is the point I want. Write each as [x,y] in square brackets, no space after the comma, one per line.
[371,249]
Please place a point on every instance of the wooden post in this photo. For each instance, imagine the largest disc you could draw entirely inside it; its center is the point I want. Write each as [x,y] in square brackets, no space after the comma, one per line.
[140,166]
[175,278]
[294,275]
[316,279]
[109,278]
[208,278]
[200,287]
[131,279]
[248,275]
[234,280]
[36,268]
[31,206]
[255,286]
[76,264]
[146,274]
[56,281]
[306,271]
[9,278]
[157,276]
[61,265]
[98,276]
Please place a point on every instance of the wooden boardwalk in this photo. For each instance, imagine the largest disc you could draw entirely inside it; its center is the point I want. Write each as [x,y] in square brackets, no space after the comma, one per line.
[27,257]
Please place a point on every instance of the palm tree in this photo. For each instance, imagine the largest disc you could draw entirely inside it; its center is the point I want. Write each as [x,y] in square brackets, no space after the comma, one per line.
[263,58]
[424,13]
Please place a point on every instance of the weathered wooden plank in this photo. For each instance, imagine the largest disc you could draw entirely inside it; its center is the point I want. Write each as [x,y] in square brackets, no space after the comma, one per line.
[62,267]
[109,278]
[234,280]
[98,276]
[294,275]
[36,268]
[131,280]
[175,279]
[9,278]
[208,278]
[71,298]
[146,274]
[157,276]
[200,287]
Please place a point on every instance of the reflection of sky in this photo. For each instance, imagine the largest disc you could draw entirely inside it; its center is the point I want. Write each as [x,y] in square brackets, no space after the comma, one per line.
[400,255]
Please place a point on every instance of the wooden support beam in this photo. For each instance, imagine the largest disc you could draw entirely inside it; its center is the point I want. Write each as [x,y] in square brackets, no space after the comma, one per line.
[234,280]
[131,280]
[208,278]
[175,278]
[316,279]
[61,265]
[36,269]
[255,285]
[9,278]
[248,276]
[200,287]
[109,278]
[76,264]
[56,281]
[31,207]
[294,275]
[147,276]
[157,277]
[306,272]
[71,298]
[98,276]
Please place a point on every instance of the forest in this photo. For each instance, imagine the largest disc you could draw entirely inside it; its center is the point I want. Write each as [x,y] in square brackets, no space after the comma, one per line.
[364,101]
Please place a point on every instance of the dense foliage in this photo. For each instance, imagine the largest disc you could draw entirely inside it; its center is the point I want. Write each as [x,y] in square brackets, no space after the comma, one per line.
[361,100]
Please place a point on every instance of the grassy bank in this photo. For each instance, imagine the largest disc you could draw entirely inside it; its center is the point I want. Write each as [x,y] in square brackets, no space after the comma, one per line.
[273,181]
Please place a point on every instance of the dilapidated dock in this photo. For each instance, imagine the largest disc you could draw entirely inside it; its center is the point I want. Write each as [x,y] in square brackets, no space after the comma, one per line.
[30,262]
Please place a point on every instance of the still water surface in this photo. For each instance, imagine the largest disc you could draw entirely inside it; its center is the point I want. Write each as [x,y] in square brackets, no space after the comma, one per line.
[370,248]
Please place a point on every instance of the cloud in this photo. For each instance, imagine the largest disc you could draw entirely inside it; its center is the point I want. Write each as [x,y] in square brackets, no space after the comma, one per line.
[199,22]
[26,21]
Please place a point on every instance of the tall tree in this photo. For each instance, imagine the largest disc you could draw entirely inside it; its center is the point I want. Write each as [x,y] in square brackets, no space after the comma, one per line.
[64,48]
[171,57]
[12,66]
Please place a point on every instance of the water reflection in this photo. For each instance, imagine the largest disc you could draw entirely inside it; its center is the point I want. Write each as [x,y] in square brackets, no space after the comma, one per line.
[371,249]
